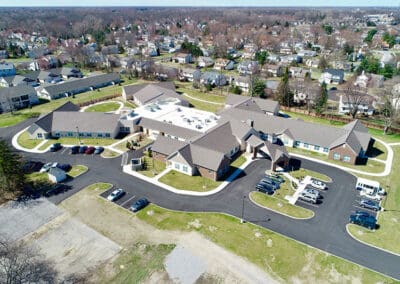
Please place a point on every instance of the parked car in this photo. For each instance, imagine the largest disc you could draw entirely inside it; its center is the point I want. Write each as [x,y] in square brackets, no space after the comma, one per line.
[141,203]
[311,191]
[370,204]
[64,167]
[275,178]
[362,213]
[366,221]
[98,150]
[89,150]
[264,188]
[46,167]
[318,184]
[75,149]
[82,149]
[270,182]
[308,198]
[55,147]
[115,195]
[374,195]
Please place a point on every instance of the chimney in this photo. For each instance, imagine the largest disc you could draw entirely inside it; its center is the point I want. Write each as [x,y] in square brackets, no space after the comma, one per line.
[250,122]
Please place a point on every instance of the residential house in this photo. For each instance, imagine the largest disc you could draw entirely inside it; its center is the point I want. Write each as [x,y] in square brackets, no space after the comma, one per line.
[369,81]
[110,49]
[332,76]
[247,67]
[224,64]
[307,53]
[183,58]
[312,63]
[298,72]
[365,107]
[56,175]
[243,82]
[77,86]
[249,51]
[273,70]
[3,54]
[7,69]
[190,75]
[18,97]
[17,80]
[204,61]
[342,65]
[142,94]
[213,78]
[260,105]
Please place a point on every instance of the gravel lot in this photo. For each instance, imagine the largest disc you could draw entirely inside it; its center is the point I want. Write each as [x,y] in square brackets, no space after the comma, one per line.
[17,219]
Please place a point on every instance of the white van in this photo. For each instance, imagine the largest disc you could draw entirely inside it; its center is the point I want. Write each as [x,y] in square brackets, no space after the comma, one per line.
[369,186]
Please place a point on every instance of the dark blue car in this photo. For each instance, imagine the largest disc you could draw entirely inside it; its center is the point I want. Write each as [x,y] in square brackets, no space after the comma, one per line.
[141,203]
[370,204]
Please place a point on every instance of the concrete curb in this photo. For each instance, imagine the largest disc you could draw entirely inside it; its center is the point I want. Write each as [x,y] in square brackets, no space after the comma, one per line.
[127,170]
[368,244]
[284,214]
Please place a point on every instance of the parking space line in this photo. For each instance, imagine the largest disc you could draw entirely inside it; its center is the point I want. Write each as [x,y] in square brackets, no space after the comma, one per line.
[63,151]
[126,201]
[313,205]
[363,208]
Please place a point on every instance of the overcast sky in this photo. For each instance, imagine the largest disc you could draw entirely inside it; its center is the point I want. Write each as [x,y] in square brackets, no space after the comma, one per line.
[26,3]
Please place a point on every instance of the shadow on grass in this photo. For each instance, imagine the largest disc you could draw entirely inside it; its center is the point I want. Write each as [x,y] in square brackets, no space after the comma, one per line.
[372,151]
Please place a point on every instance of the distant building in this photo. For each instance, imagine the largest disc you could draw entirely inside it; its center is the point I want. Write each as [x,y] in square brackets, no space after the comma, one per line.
[332,76]
[14,98]
[7,69]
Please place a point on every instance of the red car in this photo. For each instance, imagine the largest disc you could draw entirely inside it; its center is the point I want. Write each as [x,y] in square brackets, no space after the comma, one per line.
[89,150]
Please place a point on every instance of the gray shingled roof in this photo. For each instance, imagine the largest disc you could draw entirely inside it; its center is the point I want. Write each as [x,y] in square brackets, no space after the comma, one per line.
[86,121]
[166,145]
[232,99]
[17,91]
[72,85]
[146,93]
[168,128]
[312,133]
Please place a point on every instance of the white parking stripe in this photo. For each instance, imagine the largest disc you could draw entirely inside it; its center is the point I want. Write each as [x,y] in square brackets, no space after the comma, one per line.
[126,201]
[63,151]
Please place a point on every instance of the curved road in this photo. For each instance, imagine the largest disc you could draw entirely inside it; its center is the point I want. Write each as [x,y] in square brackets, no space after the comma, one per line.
[326,231]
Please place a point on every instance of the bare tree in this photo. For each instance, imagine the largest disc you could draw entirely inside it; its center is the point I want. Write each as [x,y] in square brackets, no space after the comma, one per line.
[22,264]
[355,97]
[391,109]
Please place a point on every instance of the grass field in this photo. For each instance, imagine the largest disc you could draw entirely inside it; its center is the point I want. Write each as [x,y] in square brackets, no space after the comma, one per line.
[84,141]
[279,205]
[8,119]
[25,141]
[388,234]
[77,170]
[109,153]
[213,96]
[284,258]
[153,167]
[103,107]
[204,105]
[301,173]
[185,182]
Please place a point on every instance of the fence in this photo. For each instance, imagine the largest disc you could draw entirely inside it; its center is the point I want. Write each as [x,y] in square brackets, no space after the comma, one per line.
[337,118]
[93,101]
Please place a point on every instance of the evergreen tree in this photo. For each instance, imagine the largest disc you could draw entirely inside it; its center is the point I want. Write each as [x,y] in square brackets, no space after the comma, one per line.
[285,96]
[321,99]
[258,87]
[12,178]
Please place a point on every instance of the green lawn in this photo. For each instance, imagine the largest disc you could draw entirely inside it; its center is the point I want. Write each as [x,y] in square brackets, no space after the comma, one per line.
[25,141]
[84,141]
[37,178]
[371,166]
[300,173]
[377,151]
[388,234]
[186,182]
[77,170]
[238,162]
[153,167]
[122,146]
[8,119]
[279,256]
[213,96]
[109,154]
[137,263]
[280,205]
[103,107]
[203,105]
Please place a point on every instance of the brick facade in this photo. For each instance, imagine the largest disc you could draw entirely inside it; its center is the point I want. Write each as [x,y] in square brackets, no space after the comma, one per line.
[343,150]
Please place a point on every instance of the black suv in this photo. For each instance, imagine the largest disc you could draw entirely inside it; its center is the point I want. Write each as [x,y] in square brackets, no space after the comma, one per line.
[74,149]
[55,147]
[264,188]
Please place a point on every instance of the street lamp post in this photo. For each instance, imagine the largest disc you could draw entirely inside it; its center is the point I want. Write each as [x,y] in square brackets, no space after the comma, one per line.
[242,219]
[79,138]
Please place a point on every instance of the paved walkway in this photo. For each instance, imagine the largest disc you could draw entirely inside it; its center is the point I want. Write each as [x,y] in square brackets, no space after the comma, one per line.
[204,101]
[301,185]
[155,180]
